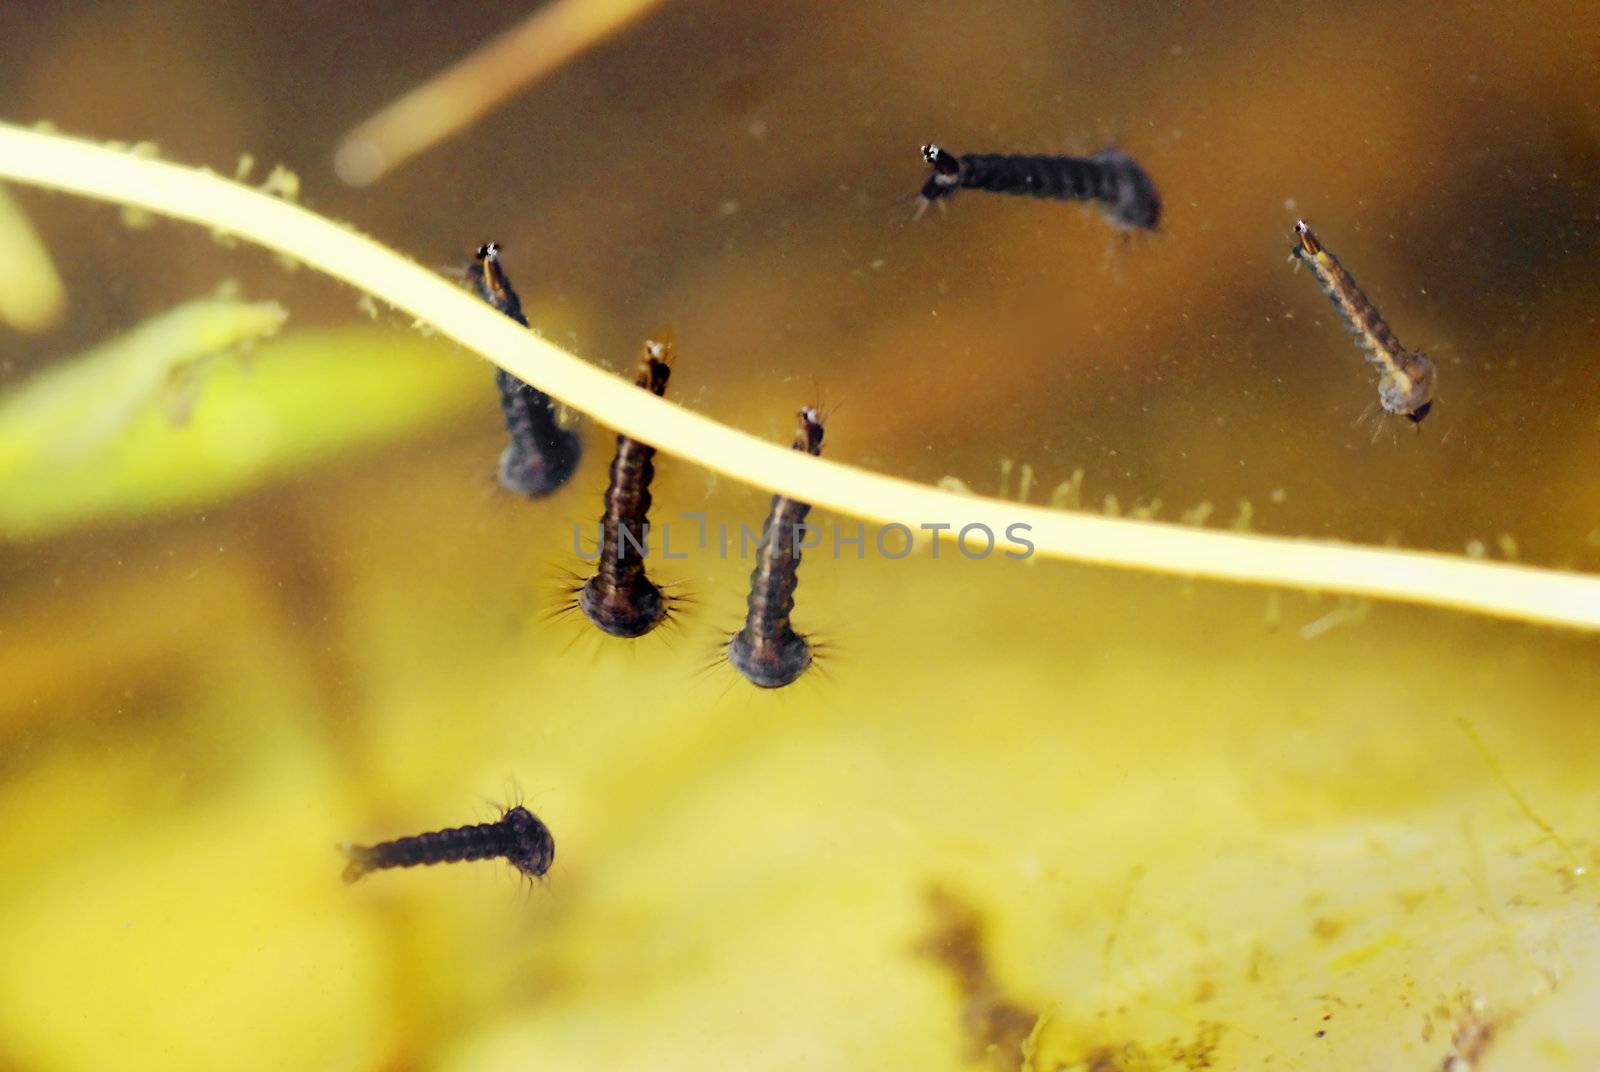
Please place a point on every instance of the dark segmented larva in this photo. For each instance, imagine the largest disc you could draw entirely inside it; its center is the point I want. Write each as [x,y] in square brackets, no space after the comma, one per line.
[768,651]
[542,455]
[1111,177]
[1405,377]
[519,837]
[619,599]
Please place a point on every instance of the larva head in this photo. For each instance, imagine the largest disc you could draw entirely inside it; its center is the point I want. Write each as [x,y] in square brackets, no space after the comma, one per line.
[488,278]
[946,173]
[1407,388]
[769,664]
[532,849]
[809,438]
[1305,242]
[655,369]
[944,163]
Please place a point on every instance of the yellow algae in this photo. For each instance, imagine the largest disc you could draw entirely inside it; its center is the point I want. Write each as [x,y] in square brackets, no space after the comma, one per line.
[954,483]
[304,397]
[282,183]
[1517,798]
[1351,958]
[1194,843]
[74,408]
[1068,495]
[32,297]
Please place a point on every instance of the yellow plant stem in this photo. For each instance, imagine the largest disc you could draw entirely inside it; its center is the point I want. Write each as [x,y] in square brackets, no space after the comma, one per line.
[1506,591]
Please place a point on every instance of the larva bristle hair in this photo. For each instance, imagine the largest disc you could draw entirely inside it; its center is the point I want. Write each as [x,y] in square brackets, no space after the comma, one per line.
[1112,178]
[518,836]
[1406,378]
[767,650]
[542,455]
[619,598]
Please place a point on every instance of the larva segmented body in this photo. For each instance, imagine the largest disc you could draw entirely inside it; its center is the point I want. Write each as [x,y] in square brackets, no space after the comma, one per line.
[541,455]
[1110,177]
[768,651]
[519,837]
[620,599]
[1405,377]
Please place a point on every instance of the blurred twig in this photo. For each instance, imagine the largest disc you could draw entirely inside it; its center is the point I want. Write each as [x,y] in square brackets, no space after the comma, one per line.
[31,296]
[461,94]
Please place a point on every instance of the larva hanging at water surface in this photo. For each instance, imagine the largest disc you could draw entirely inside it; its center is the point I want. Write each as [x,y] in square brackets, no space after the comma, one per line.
[619,598]
[542,454]
[767,650]
[1405,377]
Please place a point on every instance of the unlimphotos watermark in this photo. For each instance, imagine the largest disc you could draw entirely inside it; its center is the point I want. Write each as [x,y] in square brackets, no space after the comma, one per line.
[893,541]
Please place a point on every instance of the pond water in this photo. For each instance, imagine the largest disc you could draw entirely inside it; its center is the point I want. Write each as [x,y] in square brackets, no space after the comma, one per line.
[1019,810]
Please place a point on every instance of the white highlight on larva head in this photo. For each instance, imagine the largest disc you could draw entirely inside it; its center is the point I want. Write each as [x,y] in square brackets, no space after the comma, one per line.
[655,349]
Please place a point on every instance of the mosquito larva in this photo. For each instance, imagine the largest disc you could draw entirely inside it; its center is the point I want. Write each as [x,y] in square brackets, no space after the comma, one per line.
[1111,177]
[619,599]
[1405,377]
[518,836]
[768,651]
[542,455]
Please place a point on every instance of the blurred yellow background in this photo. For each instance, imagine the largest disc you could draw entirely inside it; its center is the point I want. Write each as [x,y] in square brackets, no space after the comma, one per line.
[1199,828]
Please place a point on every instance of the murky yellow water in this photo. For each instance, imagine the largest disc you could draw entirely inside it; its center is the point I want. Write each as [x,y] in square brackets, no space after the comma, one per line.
[1199,826]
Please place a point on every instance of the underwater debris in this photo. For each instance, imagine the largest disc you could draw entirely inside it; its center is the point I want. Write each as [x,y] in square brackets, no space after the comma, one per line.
[1025,483]
[954,483]
[32,298]
[997,1028]
[1574,866]
[1111,177]
[768,651]
[518,836]
[281,183]
[1068,495]
[1348,612]
[1405,377]
[1474,1031]
[543,453]
[619,599]
[71,410]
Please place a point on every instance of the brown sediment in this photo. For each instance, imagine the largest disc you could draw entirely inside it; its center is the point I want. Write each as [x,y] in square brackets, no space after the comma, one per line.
[995,1026]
